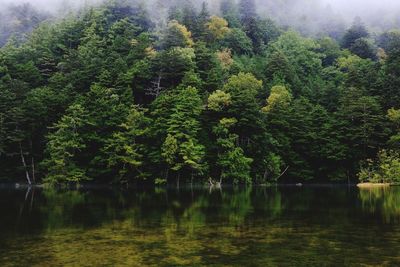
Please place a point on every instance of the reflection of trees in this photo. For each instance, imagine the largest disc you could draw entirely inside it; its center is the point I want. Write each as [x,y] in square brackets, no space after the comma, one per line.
[59,207]
[236,205]
[188,209]
[260,226]
[383,200]
[268,199]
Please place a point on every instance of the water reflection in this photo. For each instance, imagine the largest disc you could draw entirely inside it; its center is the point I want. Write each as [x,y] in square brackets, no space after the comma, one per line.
[260,226]
[382,200]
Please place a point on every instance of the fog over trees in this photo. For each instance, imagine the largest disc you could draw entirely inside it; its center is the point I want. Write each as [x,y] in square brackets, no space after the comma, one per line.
[310,17]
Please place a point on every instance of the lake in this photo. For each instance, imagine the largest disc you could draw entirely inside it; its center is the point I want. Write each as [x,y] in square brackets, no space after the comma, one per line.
[254,226]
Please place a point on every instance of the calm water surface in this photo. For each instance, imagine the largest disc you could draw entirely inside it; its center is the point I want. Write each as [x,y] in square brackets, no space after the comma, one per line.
[279,226]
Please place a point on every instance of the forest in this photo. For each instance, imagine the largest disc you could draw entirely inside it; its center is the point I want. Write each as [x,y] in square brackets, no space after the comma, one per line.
[114,93]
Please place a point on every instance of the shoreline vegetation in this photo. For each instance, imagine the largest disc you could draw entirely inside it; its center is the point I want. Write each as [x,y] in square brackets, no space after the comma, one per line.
[114,95]
[187,185]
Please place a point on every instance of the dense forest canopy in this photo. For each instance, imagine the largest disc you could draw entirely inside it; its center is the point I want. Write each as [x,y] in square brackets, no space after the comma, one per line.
[181,91]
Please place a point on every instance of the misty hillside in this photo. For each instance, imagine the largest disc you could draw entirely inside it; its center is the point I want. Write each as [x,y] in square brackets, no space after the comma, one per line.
[310,17]
[179,91]
[18,20]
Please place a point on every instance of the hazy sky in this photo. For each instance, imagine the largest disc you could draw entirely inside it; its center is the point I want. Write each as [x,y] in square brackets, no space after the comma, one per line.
[352,6]
[357,7]
[347,9]
[48,5]
[363,7]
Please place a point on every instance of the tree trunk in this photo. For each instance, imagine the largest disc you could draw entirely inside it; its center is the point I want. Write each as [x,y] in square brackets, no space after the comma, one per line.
[32,162]
[32,198]
[265,175]
[33,170]
[24,164]
[166,174]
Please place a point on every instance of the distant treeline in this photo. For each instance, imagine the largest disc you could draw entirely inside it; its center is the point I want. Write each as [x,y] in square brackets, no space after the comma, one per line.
[111,95]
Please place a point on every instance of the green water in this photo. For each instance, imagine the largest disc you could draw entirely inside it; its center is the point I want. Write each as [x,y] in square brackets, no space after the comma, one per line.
[283,226]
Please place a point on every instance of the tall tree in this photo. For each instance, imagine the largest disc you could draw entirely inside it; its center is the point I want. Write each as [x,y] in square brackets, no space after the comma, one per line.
[355,32]
[181,148]
[123,150]
[230,12]
[233,164]
[63,148]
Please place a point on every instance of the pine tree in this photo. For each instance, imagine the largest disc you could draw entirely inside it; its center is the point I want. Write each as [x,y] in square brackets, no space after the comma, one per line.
[123,150]
[234,165]
[230,12]
[64,145]
[181,148]
[355,32]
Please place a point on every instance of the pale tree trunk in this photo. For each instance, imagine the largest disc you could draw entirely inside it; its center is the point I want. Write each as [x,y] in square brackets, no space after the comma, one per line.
[24,164]
[33,170]
[265,175]
[32,198]
[33,163]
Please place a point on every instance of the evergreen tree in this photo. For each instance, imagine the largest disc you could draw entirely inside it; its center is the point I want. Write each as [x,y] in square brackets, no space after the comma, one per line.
[361,123]
[233,164]
[230,13]
[123,150]
[63,148]
[176,35]
[202,18]
[181,148]
[355,32]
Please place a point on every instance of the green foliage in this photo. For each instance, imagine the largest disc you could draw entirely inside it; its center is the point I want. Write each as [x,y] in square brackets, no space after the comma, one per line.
[243,83]
[237,40]
[123,150]
[63,147]
[394,116]
[330,49]
[362,122]
[243,89]
[172,65]
[390,76]
[177,35]
[181,148]
[11,116]
[217,28]
[218,100]
[279,98]
[355,32]
[358,72]
[230,12]
[385,170]
[234,165]
[363,48]
[300,53]
[296,60]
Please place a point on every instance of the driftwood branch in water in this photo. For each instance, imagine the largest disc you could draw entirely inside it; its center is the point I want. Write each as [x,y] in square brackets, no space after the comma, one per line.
[283,173]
